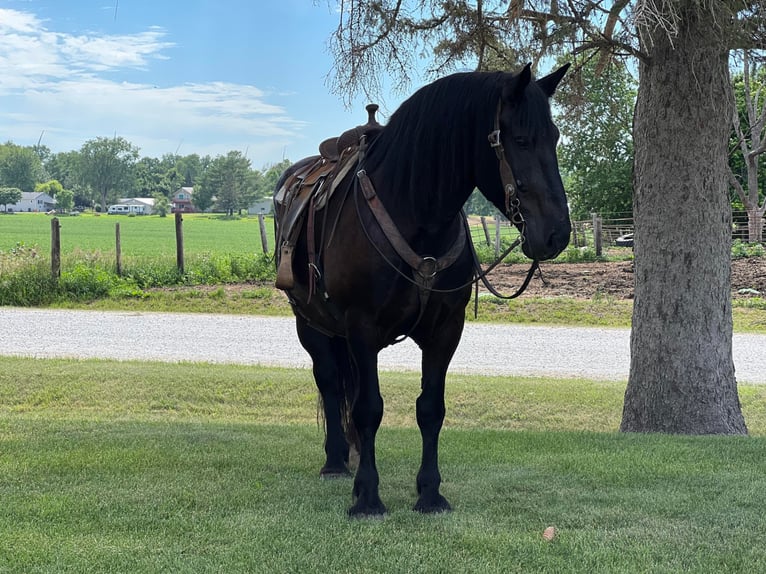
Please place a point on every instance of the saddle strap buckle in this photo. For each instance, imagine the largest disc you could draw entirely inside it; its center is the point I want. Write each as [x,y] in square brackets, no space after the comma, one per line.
[494,138]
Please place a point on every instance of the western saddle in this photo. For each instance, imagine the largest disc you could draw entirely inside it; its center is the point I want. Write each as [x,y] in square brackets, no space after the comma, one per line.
[307,191]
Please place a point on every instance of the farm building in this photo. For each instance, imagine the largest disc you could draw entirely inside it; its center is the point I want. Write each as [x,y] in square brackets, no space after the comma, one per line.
[34,202]
[138,205]
[181,200]
[260,207]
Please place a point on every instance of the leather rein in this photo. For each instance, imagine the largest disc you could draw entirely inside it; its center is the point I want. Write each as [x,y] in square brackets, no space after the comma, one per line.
[426,268]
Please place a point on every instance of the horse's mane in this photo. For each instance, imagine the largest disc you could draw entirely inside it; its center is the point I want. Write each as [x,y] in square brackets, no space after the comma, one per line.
[438,110]
[437,129]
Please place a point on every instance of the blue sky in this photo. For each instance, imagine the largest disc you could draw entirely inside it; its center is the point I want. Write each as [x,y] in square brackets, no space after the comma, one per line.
[192,76]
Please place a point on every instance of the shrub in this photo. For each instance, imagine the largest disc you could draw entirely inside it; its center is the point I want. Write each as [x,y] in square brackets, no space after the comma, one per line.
[146,272]
[578,255]
[86,282]
[486,253]
[29,285]
[741,249]
[210,269]
[25,277]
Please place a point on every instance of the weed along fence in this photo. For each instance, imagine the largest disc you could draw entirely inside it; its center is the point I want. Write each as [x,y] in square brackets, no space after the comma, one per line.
[119,234]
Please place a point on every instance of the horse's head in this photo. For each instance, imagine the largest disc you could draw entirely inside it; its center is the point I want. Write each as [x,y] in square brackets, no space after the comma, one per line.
[525,141]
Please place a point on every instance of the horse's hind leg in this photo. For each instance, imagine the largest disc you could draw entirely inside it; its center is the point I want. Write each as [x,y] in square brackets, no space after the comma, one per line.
[330,359]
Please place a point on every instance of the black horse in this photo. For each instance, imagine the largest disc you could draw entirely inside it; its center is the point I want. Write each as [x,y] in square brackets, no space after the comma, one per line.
[386,257]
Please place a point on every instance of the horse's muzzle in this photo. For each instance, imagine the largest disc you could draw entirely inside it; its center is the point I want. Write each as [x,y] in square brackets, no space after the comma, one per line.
[549,244]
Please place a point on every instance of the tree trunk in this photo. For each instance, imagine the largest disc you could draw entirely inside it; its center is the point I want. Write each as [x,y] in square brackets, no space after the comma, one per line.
[681,371]
[754,224]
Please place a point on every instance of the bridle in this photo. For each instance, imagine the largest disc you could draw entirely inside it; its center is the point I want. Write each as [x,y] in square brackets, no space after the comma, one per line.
[512,202]
[512,212]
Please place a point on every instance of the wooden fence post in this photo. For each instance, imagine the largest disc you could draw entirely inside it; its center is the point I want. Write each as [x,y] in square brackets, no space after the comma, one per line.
[179,242]
[486,230]
[597,223]
[118,248]
[575,238]
[55,249]
[264,240]
[497,236]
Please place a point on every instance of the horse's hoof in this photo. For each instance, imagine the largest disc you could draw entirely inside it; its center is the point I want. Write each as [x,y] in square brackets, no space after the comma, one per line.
[334,473]
[376,510]
[433,505]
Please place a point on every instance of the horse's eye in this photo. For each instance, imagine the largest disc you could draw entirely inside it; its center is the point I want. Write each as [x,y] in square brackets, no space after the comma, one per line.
[522,142]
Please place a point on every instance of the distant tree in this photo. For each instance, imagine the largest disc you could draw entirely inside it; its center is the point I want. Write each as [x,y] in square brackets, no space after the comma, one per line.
[477,204]
[749,123]
[596,151]
[171,181]
[204,191]
[19,167]
[269,177]
[106,166]
[8,196]
[227,178]
[161,204]
[51,187]
[191,167]
[65,168]
[148,173]
[64,200]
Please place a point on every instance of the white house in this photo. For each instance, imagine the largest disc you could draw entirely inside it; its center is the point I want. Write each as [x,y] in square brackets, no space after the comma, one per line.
[140,205]
[33,201]
[260,207]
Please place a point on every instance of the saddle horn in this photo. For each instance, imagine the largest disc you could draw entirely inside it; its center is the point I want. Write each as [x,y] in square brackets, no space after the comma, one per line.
[372,109]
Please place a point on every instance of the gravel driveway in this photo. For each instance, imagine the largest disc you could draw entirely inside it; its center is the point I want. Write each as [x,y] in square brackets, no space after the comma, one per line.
[485,348]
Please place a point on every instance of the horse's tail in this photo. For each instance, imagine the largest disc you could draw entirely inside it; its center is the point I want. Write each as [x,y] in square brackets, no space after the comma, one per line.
[346,393]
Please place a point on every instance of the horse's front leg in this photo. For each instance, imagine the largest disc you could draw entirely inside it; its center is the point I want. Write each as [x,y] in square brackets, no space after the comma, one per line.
[437,354]
[366,414]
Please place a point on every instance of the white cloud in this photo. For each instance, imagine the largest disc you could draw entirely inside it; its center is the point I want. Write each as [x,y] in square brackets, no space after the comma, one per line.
[108,52]
[13,20]
[54,82]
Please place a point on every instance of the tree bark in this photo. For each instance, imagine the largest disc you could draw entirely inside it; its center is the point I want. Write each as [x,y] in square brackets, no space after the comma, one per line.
[681,372]
[755,224]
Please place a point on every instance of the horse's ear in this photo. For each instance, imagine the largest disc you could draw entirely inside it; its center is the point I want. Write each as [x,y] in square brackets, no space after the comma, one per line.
[515,86]
[549,83]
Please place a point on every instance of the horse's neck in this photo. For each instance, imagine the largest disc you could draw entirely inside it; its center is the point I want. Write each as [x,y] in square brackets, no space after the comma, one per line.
[428,194]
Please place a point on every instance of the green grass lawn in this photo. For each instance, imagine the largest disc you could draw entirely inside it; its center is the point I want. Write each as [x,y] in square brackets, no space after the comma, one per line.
[149,467]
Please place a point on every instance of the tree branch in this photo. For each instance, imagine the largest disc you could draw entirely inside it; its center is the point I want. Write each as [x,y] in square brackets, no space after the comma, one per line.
[734,182]
[602,44]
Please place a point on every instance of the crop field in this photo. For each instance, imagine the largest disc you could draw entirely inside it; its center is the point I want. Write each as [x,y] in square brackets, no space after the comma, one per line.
[140,236]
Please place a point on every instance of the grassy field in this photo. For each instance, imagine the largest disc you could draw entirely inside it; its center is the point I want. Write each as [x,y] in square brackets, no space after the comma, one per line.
[145,467]
[140,236]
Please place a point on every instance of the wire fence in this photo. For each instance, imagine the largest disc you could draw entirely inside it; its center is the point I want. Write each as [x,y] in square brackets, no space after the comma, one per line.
[598,232]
